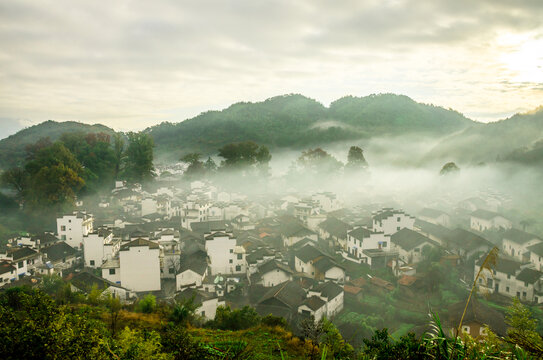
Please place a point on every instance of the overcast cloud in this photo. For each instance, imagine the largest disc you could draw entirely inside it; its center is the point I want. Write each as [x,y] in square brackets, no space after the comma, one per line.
[133,64]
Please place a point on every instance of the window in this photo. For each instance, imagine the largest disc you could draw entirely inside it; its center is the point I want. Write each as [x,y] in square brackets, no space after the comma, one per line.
[20,264]
[231,251]
[203,313]
[524,294]
[398,219]
[240,256]
[171,270]
[397,228]
[92,262]
[507,289]
[63,237]
[69,221]
[63,228]
[111,271]
[238,267]
[525,284]
[384,244]
[230,261]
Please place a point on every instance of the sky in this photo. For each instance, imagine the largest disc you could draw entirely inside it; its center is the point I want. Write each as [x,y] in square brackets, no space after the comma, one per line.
[134,64]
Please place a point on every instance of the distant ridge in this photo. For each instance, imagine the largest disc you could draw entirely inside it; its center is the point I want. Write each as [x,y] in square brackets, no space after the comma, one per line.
[297,122]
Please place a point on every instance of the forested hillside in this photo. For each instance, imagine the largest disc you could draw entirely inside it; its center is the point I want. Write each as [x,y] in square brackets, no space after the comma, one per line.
[13,148]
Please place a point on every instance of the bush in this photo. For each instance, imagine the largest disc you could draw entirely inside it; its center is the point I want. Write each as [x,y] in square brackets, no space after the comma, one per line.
[227,319]
[146,305]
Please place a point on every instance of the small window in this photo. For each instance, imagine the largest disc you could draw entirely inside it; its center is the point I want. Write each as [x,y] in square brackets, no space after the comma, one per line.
[508,276]
[111,271]
[240,256]
[398,219]
[238,268]
[63,237]
[230,261]
[231,251]
[20,264]
[525,284]
[507,289]
[384,244]
[203,313]
[171,270]
[524,294]
[398,228]
[92,262]
[63,228]
[69,221]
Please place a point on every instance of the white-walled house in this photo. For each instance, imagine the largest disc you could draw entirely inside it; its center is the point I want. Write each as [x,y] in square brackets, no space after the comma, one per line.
[389,221]
[434,216]
[99,246]
[272,273]
[194,269]
[482,220]
[224,255]
[332,294]
[536,255]
[60,255]
[327,201]
[72,228]
[208,303]
[24,259]
[111,270]
[314,263]
[410,245]
[361,239]
[86,281]
[140,265]
[512,278]
[293,231]
[335,229]
[516,243]
[148,206]
[8,273]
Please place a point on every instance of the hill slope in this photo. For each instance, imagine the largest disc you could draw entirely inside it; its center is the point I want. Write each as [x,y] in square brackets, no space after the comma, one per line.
[518,138]
[298,122]
[12,148]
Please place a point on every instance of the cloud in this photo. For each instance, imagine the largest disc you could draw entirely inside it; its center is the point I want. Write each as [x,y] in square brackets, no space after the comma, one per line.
[130,64]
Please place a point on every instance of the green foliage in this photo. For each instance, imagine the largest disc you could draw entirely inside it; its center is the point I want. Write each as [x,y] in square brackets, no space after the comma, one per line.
[355,159]
[183,312]
[522,329]
[146,305]
[32,327]
[138,166]
[139,345]
[317,161]
[228,319]
[449,168]
[244,154]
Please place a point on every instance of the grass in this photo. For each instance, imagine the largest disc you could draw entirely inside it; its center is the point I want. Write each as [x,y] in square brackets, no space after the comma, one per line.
[260,343]
[401,331]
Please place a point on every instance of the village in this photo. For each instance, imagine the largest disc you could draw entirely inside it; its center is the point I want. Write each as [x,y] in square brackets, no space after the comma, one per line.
[289,255]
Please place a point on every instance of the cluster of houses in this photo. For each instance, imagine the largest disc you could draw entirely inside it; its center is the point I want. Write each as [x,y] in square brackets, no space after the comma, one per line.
[284,256]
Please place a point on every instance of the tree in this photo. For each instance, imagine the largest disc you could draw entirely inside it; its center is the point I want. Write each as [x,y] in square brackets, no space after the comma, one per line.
[210,165]
[139,158]
[146,305]
[183,312]
[195,165]
[318,161]
[336,347]
[313,331]
[17,179]
[522,329]
[243,155]
[118,151]
[449,168]
[55,178]
[355,158]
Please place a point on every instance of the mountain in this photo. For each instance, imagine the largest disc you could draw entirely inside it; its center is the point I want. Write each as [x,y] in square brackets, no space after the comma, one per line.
[518,138]
[297,122]
[12,148]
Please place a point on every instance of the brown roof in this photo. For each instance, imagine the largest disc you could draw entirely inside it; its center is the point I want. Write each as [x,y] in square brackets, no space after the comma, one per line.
[352,289]
[140,242]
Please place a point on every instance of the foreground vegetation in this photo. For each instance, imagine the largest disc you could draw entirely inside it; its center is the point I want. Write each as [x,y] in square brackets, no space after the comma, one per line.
[67,325]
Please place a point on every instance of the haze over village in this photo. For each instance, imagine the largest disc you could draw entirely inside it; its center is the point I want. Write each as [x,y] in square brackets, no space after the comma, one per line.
[370,189]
